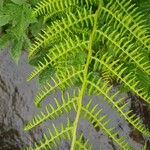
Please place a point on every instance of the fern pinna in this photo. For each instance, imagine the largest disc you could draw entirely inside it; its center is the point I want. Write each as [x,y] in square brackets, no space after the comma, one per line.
[86,42]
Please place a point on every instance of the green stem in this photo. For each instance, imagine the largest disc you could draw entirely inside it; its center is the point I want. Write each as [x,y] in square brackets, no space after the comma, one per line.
[85,75]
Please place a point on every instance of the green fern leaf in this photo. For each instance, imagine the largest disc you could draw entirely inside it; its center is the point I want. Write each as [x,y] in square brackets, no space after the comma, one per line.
[82,146]
[51,112]
[118,71]
[131,52]
[49,7]
[69,47]
[101,121]
[92,39]
[60,81]
[135,30]
[59,30]
[53,138]
[96,87]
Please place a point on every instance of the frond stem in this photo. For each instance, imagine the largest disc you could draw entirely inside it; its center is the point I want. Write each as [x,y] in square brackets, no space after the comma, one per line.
[85,75]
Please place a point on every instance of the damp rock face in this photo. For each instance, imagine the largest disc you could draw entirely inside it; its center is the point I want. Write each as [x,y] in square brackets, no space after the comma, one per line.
[17,107]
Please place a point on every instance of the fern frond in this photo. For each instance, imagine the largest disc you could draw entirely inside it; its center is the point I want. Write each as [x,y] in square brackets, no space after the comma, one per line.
[126,47]
[61,80]
[98,87]
[48,7]
[90,29]
[82,146]
[85,74]
[69,47]
[125,23]
[51,112]
[135,16]
[102,122]
[119,71]
[61,29]
[53,138]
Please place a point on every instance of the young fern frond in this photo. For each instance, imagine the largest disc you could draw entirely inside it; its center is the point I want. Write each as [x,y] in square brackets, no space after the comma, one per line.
[61,29]
[102,122]
[62,80]
[120,72]
[97,87]
[53,112]
[52,139]
[127,48]
[48,7]
[107,38]
[69,47]
[135,16]
[82,146]
[124,23]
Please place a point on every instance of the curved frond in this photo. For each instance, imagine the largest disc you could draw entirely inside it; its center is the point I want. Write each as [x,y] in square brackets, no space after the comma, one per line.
[60,29]
[62,79]
[48,6]
[55,135]
[69,48]
[91,39]
[100,121]
[135,16]
[98,87]
[127,48]
[80,145]
[51,112]
[119,71]
[124,22]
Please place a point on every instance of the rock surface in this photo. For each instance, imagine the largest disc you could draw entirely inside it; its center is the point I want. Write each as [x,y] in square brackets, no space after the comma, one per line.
[16,108]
